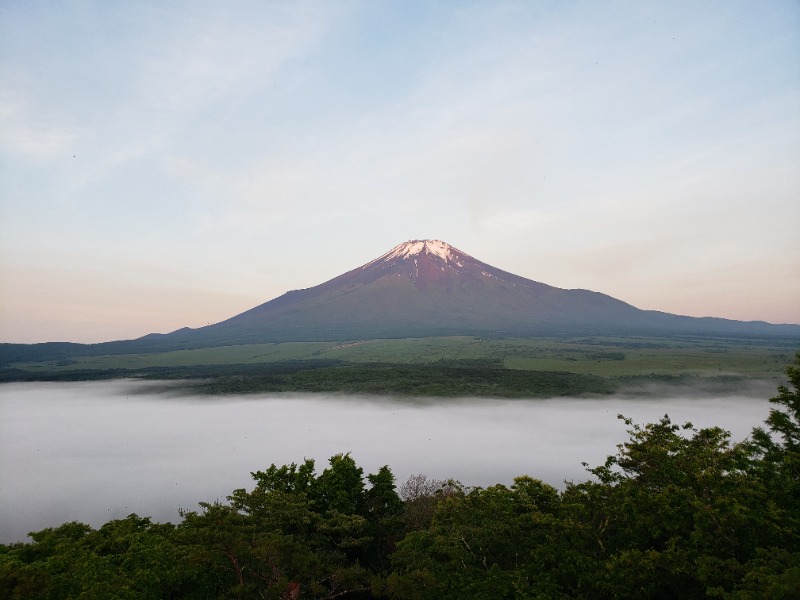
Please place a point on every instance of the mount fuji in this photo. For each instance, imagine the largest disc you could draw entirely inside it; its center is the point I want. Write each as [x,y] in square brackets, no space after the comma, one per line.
[429,288]
[421,288]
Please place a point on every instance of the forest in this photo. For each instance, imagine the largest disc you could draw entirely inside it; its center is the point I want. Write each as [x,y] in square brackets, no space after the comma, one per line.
[454,366]
[675,511]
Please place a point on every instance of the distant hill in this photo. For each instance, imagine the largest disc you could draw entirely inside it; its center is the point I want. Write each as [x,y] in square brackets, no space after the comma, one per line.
[422,288]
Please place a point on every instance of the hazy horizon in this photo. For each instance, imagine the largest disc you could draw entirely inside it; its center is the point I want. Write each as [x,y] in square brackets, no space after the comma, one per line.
[172,165]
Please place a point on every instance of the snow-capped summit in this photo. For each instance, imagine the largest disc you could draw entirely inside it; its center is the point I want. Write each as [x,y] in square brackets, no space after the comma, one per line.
[415,248]
[433,264]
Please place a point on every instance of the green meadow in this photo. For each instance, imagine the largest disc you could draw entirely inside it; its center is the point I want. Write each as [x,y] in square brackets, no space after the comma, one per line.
[441,365]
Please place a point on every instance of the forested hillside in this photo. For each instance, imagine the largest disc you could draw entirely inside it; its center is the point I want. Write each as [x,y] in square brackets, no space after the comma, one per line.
[675,512]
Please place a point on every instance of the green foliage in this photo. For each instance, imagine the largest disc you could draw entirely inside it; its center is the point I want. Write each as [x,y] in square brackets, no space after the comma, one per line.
[781,445]
[675,512]
[125,558]
[340,487]
[674,509]
[430,366]
[479,544]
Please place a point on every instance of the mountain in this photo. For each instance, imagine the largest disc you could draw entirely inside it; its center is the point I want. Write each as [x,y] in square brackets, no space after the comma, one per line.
[429,288]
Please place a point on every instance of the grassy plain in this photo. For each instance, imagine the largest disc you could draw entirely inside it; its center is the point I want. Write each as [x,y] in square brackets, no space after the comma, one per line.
[442,365]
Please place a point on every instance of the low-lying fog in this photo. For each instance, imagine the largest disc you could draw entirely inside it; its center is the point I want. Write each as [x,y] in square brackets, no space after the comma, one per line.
[97,451]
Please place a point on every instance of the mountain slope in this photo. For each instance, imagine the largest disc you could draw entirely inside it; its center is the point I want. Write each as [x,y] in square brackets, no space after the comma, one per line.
[427,287]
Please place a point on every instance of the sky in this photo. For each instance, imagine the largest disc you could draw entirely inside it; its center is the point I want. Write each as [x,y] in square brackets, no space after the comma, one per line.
[172,164]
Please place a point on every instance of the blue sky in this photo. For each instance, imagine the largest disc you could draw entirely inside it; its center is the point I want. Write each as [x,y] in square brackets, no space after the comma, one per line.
[173,164]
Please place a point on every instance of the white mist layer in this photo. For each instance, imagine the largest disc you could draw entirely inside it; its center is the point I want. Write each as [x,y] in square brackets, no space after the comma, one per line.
[97,451]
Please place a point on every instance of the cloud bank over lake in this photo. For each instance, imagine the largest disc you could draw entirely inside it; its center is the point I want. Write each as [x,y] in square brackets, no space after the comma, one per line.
[96,451]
